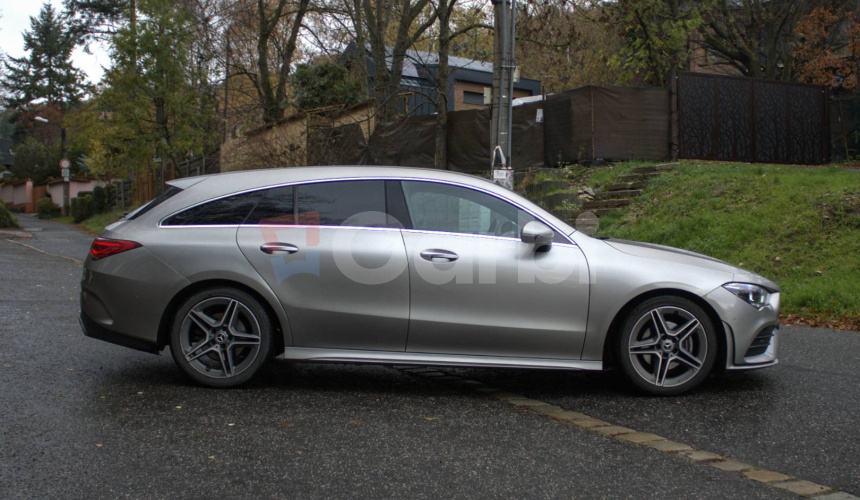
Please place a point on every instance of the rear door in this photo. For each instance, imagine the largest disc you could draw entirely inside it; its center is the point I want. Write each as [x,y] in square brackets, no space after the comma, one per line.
[335,260]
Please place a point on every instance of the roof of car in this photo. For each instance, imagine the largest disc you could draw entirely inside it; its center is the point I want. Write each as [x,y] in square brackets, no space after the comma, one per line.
[230,182]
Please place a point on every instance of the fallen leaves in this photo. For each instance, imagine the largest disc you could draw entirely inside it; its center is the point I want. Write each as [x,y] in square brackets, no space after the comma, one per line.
[851,323]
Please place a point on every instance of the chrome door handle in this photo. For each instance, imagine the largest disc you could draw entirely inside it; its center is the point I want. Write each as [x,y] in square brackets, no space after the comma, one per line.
[278,248]
[435,255]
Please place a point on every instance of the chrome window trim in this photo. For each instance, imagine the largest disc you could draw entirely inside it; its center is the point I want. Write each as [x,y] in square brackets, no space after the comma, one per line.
[477,235]
[160,223]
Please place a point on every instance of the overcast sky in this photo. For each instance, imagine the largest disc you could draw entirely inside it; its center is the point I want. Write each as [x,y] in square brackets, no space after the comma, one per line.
[16,19]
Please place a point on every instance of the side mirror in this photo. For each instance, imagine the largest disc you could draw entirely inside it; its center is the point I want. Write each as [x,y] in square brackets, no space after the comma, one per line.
[538,234]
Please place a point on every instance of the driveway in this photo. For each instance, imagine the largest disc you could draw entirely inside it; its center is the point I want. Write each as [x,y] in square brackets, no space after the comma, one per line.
[86,419]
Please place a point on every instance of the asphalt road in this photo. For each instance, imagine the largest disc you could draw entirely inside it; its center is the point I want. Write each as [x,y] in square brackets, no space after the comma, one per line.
[85,419]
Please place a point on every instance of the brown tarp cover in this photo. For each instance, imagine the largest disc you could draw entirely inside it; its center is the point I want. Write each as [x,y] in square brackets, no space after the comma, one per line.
[469,139]
[586,123]
[410,142]
[609,123]
[343,145]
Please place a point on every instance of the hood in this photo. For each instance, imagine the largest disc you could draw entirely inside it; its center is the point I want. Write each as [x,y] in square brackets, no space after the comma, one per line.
[676,255]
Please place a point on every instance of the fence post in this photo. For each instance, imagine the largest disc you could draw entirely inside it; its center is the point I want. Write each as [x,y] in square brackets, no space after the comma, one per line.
[673,116]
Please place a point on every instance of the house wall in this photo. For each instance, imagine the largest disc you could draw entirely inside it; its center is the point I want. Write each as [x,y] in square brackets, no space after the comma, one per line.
[56,192]
[280,145]
[460,87]
[6,191]
[286,143]
[55,189]
[22,197]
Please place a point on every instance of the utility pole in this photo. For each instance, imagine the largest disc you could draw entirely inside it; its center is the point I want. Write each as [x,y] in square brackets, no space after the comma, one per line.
[65,165]
[503,91]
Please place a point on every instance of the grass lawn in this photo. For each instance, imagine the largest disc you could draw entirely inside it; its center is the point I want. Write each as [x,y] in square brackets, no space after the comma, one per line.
[798,226]
[96,223]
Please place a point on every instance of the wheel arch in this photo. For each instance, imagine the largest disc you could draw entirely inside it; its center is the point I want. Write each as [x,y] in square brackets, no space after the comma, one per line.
[175,303]
[614,332]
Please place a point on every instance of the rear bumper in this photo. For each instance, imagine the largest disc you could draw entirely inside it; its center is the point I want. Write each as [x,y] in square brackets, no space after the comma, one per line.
[94,330]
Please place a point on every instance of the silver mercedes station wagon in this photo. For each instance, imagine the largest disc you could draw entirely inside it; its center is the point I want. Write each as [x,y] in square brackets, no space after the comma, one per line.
[410,266]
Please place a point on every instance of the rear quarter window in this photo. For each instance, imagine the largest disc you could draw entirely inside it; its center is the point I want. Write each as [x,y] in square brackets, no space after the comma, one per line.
[158,200]
[231,210]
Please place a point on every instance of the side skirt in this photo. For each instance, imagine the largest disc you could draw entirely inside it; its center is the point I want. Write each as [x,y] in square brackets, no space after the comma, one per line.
[310,354]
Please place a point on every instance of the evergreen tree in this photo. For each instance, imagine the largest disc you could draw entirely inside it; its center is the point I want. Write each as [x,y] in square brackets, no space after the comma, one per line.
[147,106]
[47,73]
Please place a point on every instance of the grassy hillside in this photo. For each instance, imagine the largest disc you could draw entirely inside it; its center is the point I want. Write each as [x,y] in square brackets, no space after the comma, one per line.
[798,226]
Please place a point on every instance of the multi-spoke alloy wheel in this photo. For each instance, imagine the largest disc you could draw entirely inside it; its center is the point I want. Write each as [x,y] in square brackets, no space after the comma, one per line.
[221,337]
[668,345]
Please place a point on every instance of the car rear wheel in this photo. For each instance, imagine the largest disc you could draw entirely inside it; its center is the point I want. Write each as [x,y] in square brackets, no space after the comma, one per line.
[221,337]
[668,345]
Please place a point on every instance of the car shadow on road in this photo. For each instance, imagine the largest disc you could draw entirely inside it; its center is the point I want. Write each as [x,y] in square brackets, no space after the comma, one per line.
[334,378]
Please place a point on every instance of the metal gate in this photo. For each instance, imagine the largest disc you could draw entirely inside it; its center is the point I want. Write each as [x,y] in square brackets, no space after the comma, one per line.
[752,120]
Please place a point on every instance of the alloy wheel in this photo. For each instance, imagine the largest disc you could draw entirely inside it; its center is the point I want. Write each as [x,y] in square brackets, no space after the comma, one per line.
[220,337]
[668,346]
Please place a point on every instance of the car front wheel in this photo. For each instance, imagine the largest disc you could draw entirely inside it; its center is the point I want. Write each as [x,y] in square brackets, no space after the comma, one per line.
[668,345]
[221,337]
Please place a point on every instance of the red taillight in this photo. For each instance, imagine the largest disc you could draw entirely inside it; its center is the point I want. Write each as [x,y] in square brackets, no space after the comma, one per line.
[103,247]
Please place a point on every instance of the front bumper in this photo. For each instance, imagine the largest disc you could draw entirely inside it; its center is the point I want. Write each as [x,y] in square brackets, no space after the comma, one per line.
[752,335]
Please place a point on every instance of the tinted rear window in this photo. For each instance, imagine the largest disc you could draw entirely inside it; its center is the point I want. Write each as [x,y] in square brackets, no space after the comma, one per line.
[349,203]
[276,207]
[230,210]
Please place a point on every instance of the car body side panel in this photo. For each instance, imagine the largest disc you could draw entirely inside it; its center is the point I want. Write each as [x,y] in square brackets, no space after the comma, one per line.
[617,278]
[344,288]
[126,292]
[214,255]
[499,298]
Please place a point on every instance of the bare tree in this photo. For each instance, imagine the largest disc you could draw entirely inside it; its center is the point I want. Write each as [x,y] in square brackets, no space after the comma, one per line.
[266,41]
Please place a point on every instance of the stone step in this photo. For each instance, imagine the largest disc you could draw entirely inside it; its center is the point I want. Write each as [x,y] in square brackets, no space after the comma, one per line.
[655,169]
[547,186]
[637,177]
[556,200]
[620,193]
[621,202]
[571,216]
[566,214]
[623,186]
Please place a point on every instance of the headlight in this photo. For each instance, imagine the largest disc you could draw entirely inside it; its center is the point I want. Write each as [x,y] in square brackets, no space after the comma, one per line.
[753,295]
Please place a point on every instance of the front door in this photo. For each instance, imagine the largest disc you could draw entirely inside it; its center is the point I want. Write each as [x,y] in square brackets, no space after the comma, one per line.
[476,289]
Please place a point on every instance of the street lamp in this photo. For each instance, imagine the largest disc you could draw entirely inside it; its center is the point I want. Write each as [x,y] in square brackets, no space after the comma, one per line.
[64,165]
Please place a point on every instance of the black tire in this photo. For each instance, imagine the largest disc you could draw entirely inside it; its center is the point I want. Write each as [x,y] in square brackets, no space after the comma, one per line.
[650,348]
[216,350]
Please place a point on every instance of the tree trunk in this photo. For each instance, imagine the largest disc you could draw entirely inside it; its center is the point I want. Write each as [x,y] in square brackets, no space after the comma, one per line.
[444,13]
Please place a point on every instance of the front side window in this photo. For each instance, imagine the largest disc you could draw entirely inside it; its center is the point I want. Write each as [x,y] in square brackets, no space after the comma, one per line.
[453,209]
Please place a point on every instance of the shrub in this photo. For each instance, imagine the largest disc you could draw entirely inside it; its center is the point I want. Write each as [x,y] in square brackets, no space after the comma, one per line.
[84,208]
[6,217]
[46,209]
[99,199]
